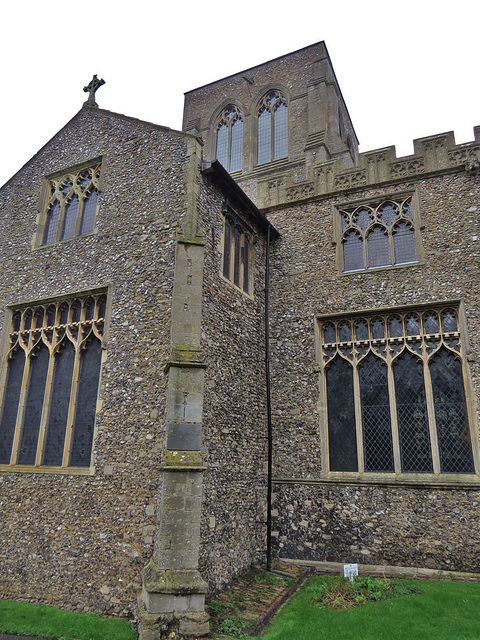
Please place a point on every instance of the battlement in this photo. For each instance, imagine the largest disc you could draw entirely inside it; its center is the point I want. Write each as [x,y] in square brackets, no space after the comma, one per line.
[432,154]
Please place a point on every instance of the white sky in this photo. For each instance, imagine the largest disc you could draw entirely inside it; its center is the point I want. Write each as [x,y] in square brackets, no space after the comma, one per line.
[406,69]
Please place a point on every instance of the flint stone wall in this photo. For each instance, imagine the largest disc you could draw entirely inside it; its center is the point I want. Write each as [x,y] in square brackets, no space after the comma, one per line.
[80,542]
[397,525]
[234,427]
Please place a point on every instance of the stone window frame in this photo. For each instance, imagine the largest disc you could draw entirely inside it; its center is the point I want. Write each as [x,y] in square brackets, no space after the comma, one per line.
[53,324]
[422,348]
[229,118]
[54,195]
[374,203]
[270,102]
[237,252]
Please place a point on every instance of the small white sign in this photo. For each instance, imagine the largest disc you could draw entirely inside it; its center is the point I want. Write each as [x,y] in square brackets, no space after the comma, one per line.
[350,571]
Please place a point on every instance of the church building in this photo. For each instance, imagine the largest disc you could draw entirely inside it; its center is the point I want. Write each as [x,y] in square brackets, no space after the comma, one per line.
[238,341]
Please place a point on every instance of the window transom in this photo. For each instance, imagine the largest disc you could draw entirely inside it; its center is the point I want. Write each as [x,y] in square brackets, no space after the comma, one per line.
[394,390]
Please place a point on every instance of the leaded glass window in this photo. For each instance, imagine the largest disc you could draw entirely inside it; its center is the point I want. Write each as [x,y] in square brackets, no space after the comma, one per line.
[53,363]
[394,392]
[379,234]
[237,253]
[230,139]
[272,128]
[71,205]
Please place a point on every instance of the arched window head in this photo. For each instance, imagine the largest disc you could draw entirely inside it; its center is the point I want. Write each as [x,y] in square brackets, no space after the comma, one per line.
[272,128]
[230,139]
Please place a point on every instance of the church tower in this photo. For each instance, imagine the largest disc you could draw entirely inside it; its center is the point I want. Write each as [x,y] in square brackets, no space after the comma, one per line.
[271,125]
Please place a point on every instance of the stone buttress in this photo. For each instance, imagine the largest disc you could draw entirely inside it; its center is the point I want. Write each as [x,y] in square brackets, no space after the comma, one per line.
[173,595]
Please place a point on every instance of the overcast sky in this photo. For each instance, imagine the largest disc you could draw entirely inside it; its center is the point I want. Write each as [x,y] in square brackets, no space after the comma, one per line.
[406,69]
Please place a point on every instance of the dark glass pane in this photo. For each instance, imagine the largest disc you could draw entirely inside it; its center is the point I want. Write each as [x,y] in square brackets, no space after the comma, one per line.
[76,308]
[342,438]
[236,148]
[89,306]
[102,306]
[59,403]
[246,264]
[89,210]
[64,313]
[66,187]
[431,322]
[16,320]
[412,324]
[13,386]
[227,247]
[361,330]
[236,256]
[84,179]
[84,421]
[51,225]
[222,144]
[377,432]
[27,319]
[404,244]
[34,406]
[451,414]
[345,332]
[407,208]
[70,219]
[449,321]
[353,252]
[345,220]
[264,137]
[378,248]
[363,219]
[388,214]
[395,328]
[378,329]
[280,124]
[329,334]
[412,418]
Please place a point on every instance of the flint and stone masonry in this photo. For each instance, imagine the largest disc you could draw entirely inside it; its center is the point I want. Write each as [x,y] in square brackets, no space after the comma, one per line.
[171,504]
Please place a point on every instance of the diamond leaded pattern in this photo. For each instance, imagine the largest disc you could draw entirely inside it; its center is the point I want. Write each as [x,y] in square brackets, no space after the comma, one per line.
[380,234]
[395,392]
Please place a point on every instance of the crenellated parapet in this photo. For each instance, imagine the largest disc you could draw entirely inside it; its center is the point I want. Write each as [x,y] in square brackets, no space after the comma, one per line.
[433,154]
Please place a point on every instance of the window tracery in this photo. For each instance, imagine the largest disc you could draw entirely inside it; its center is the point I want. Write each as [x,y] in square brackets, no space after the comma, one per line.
[272,128]
[380,234]
[230,139]
[394,393]
[51,384]
[71,205]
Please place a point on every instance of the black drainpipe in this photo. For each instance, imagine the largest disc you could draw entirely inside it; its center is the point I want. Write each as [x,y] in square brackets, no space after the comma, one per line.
[269,407]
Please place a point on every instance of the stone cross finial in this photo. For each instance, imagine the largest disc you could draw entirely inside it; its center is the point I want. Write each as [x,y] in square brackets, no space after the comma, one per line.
[92,86]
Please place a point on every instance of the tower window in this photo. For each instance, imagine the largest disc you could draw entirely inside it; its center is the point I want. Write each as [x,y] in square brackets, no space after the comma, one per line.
[230,140]
[272,130]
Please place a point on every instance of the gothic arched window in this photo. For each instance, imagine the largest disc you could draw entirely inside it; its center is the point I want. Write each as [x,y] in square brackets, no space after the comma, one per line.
[394,391]
[378,234]
[230,139]
[71,205]
[272,132]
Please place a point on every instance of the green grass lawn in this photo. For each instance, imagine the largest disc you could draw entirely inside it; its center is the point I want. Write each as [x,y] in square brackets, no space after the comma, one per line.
[47,622]
[443,610]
